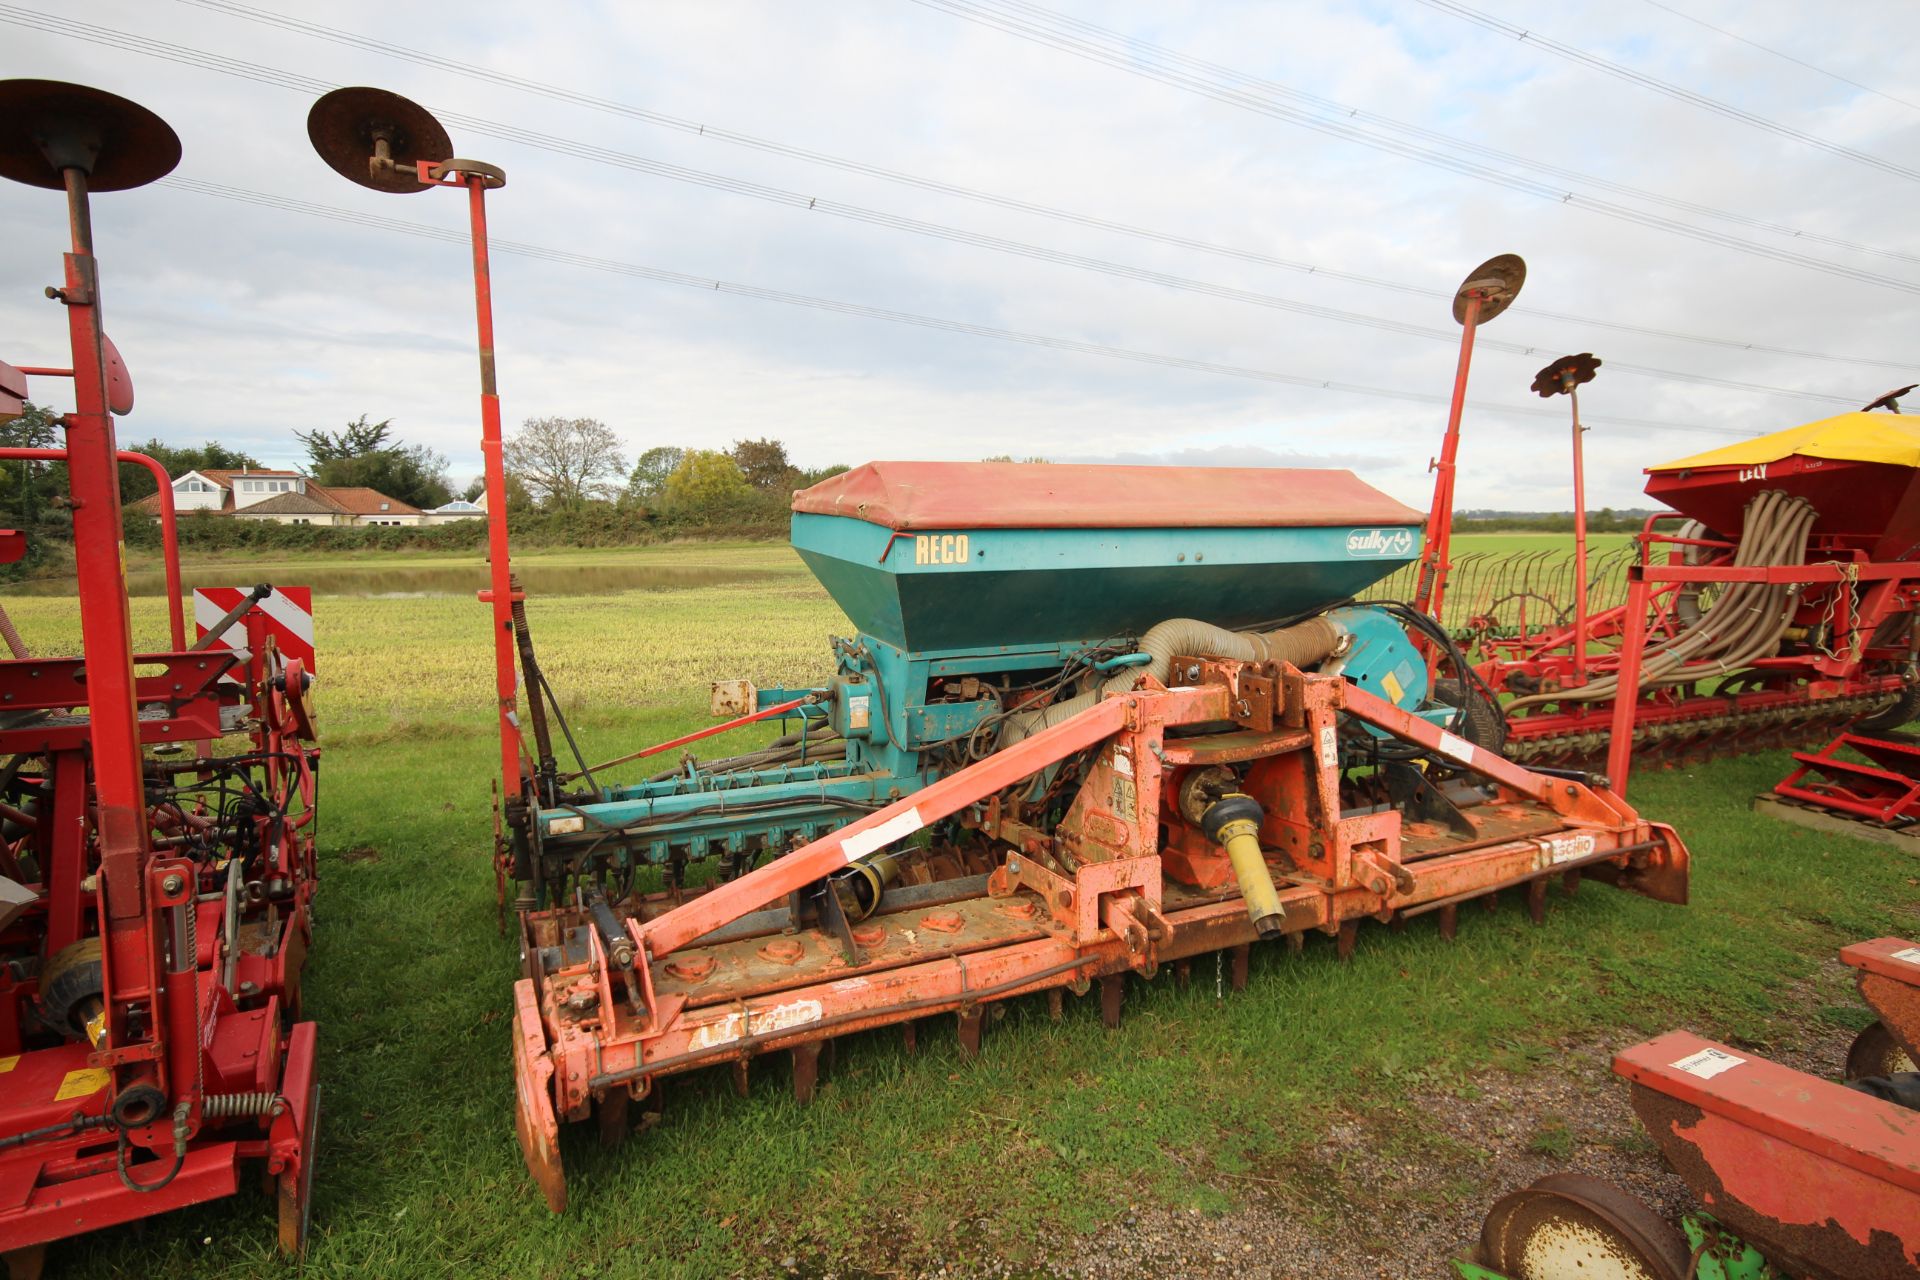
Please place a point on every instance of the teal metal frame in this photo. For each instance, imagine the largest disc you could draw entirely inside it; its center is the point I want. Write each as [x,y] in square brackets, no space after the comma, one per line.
[938,606]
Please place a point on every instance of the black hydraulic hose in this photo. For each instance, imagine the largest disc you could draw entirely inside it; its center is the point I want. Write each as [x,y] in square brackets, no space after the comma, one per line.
[66,1128]
[523,641]
[566,729]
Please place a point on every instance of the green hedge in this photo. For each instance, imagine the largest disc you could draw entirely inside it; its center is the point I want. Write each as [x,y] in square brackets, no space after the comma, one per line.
[593,526]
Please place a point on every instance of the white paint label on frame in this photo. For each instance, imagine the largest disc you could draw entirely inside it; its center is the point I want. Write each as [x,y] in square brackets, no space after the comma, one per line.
[1567,848]
[1122,762]
[861,843]
[755,1022]
[1456,748]
[1907,955]
[1708,1063]
[1329,747]
[566,826]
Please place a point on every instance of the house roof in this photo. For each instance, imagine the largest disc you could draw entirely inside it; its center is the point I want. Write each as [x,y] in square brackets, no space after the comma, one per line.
[288,504]
[366,502]
[318,499]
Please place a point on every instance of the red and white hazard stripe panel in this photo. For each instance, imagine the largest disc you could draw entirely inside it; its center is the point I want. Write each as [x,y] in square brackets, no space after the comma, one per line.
[288,611]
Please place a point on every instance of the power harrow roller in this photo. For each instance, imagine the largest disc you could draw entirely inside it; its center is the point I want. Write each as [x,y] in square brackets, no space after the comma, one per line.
[1024,778]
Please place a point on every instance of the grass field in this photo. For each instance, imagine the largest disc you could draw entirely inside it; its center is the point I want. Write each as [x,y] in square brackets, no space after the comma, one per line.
[902,1163]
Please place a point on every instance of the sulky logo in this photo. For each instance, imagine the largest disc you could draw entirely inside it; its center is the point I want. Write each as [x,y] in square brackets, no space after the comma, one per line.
[1379,542]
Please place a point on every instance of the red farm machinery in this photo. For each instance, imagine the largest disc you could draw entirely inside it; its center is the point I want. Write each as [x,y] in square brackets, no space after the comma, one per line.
[156,817]
[1795,1177]
[1772,606]
[1092,721]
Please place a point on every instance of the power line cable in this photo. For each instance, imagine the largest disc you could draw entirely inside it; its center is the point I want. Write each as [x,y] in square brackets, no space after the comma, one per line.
[712,285]
[801,201]
[1779,53]
[1222,74]
[1666,88]
[704,130]
[1121,60]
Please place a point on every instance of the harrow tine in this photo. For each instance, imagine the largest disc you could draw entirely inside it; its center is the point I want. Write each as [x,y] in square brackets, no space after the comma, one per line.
[1346,939]
[909,1039]
[806,1070]
[611,1112]
[1242,955]
[1056,1004]
[740,1082]
[1449,922]
[1113,990]
[1537,900]
[1182,974]
[970,1022]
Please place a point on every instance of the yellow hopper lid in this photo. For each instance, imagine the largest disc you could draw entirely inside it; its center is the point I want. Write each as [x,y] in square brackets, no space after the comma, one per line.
[1849,437]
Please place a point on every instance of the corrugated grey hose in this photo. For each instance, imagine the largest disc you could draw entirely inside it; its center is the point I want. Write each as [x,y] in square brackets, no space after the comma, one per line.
[1745,624]
[1304,644]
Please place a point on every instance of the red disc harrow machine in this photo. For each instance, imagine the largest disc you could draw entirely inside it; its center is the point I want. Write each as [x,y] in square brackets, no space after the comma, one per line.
[156,818]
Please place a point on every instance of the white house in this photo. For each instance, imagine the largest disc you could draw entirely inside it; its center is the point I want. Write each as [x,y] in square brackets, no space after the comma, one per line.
[284,497]
[458,509]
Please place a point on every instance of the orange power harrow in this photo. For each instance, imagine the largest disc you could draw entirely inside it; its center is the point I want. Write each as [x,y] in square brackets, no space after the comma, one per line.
[1125,881]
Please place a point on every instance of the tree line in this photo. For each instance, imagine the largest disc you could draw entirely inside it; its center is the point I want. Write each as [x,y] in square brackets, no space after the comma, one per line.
[568,484]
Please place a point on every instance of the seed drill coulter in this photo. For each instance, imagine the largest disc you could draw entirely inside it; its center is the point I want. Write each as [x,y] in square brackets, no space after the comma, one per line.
[156,817]
[1091,721]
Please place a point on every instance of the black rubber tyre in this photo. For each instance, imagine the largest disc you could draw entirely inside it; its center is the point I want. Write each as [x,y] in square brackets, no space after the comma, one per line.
[1876,1053]
[69,978]
[1903,710]
[1481,722]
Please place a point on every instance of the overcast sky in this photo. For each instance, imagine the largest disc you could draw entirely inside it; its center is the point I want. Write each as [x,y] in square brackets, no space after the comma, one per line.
[245,323]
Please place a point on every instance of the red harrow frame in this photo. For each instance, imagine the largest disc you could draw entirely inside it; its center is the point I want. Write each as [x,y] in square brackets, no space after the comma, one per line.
[157,907]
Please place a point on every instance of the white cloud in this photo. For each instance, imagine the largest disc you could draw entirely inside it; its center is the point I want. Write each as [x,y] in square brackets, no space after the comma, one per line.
[246,324]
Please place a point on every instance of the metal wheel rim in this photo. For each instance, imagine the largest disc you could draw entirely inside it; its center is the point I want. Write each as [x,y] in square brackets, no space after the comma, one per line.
[1571,1227]
[1876,1053]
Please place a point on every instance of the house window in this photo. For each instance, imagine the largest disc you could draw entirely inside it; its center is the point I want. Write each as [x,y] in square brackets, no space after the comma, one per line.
[281,486]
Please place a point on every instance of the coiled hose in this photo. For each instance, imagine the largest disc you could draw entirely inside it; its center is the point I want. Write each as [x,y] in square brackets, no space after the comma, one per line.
[1745,624]
[1304,644]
